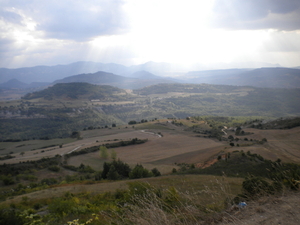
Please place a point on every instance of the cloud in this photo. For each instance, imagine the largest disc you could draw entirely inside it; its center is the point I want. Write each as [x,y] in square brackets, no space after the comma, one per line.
[257,14]
[282,42]
[72,20]
[10,17]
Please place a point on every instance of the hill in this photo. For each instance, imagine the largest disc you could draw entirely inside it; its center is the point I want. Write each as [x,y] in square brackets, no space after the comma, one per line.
[77,91]
[145,75]
[52,73]
[262,77]
[273,77]
[102,78]
[270,78]
[81,105]
[13,83]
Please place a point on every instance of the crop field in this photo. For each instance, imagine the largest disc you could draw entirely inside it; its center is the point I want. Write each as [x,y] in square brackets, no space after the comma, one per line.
[283,144]
[161,152]
[174,145]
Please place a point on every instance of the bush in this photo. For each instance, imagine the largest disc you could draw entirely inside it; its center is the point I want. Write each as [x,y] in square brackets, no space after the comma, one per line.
[256,186]
[8,180]
[112,173]
[49,181]
[155,172]
[139,172]
[121,168]
[54,168]
[131,122]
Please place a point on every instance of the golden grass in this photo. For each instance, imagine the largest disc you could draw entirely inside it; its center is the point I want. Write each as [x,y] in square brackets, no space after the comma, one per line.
[199,184]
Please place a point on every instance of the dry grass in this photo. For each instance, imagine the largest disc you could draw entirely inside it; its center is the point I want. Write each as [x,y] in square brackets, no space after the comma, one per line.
[283,209]
[283,144]
[190,206]
[183,183]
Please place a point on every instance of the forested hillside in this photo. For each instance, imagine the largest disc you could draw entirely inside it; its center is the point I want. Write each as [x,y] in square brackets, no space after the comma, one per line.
[65,107]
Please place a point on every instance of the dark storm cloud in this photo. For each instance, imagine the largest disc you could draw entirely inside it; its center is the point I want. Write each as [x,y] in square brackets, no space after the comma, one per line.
[257,14]
[74,20]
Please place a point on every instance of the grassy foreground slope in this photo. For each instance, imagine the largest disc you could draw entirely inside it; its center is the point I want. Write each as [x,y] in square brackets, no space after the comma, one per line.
[175,147]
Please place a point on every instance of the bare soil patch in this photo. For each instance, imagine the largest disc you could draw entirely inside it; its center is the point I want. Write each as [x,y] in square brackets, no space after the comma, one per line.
[268,210]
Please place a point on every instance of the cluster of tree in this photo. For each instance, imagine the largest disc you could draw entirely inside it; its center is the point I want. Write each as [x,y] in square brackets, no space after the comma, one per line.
[117,169]
[184,88]
[19,168]
[132,122]
[281,123]
[82,168]
[241,164]
[7,157]
[133,141]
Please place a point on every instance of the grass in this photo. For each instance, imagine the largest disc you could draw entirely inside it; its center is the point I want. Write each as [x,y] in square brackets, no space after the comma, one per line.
[151,125]
[24,146]
[183,183]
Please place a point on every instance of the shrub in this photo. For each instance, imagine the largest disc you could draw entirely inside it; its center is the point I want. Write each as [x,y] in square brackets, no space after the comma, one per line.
[156,172]
[256,186]
[139,172]
[112,173]
[122,169]
[8,180]
[49,181]
[54,168]
[132,122]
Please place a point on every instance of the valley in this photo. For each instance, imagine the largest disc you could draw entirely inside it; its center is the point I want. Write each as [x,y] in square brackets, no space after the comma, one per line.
[73,141]
[61,109]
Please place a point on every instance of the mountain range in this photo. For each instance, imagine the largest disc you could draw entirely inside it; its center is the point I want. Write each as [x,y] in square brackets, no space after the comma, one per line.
[139,76]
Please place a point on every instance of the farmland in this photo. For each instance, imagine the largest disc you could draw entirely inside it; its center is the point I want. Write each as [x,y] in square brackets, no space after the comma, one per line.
[174,145]
[82,148]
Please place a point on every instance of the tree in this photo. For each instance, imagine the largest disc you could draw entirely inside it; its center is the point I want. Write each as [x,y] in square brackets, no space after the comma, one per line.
[122,169]
[131,122]
[75,134]
[103,152]
[230,137]
[113,154]
[238,131]
[8,180]
[139,172]
[156,172]
[106,168]
[113,125]
[22,153]
[112,173]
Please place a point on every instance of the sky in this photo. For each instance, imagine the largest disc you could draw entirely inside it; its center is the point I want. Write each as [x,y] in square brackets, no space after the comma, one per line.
[214,34]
